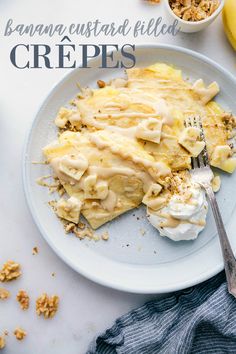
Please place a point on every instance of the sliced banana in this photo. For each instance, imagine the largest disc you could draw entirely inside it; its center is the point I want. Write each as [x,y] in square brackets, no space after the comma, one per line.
[158,170]
[216,184]
[94,189]
[190,140]
[206,94]
[73,166]
[151,198]
[222,158]
[110,202]
[149,129]
[69,209]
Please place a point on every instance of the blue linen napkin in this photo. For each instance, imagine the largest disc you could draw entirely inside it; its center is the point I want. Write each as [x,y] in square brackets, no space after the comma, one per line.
[198,320]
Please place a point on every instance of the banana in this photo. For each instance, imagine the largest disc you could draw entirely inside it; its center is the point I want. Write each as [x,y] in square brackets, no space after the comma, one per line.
[229,21]
[150,130]
[69,209]
[205,94]
[94,189]
[222,158]
[189,139]
[73,166]
[216,183]
[151,198]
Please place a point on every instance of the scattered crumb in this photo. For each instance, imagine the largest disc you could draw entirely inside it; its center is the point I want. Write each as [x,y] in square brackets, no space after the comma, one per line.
[23,298]
[69,227]
[87,232]
[52,204]
[143,232]
[96,238]
[6,332]
[35,251]
[46,305]
[81,225]
[101,83]
[2,342]
[19,333]
[105,236]
[53,274]
[4,294]
[81,230]
[10,271]
[155,252]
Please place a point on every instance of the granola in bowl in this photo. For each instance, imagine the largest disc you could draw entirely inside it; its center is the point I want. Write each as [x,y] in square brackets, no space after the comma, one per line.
[194,10]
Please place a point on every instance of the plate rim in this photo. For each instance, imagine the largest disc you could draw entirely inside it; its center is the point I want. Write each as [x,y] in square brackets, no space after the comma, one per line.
[76,267]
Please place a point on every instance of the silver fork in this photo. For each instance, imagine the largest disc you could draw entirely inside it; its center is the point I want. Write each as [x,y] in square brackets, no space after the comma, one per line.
[202,174]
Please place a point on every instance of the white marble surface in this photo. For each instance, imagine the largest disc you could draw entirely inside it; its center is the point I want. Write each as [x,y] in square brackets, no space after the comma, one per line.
[86,308]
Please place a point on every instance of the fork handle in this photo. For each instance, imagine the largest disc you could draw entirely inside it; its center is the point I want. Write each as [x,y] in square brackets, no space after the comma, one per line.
[229,259]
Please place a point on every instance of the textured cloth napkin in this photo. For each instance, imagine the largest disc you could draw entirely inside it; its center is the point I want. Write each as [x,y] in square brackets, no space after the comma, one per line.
[198,320]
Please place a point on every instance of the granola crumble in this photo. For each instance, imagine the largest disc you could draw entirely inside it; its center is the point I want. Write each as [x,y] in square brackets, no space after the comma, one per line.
[4,294]
[87,232]
[105,236]
[23,298]
[194,10]
[81,230]
[10,271]
[46,305]
[101,83]
[35,251]
[20,333]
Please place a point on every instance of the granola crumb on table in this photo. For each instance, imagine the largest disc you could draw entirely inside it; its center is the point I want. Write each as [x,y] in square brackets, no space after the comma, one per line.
[23,299]
[4,294]
[47,305]
[35,251]
[10,271]
[19,333]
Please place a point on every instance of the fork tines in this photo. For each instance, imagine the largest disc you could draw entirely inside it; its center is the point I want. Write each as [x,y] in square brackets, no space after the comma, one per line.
[202,160]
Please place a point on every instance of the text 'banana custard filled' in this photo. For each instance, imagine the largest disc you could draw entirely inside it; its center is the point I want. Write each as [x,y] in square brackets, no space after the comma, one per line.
[126,143]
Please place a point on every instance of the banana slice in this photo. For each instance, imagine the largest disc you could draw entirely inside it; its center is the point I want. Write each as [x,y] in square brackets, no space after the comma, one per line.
[221,158]
[206,94]
[216,184]
[189,139]
[94,189]
[73,166]
[69,209]
[150,130]
[151,198]
[110,202]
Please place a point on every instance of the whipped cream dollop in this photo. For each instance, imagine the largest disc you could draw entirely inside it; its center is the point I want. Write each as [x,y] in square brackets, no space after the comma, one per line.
[184,217]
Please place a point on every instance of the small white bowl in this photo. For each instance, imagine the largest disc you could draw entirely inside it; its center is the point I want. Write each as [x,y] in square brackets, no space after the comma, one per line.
[190,26]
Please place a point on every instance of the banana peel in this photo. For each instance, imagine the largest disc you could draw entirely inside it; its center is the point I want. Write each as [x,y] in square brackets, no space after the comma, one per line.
[229,21]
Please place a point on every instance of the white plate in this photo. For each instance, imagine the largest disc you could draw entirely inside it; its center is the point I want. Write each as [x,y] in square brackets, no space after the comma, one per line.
[130,261]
